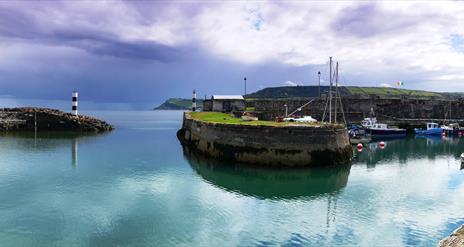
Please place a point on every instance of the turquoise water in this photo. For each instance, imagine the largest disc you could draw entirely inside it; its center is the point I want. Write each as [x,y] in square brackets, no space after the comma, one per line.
[137,187]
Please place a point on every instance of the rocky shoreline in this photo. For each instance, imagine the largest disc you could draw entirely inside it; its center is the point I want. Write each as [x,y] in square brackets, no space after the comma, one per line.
[456,239]
[45,119]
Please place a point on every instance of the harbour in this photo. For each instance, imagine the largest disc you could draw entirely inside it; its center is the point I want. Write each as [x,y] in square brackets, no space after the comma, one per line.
[137,183]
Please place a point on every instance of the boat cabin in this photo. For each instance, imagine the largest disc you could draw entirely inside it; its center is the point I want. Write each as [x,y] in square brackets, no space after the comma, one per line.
[369,122]
[432,126]
[379,126]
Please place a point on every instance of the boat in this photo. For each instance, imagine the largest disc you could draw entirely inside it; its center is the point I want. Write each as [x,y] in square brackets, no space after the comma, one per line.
[304,119]
[249,117]
[358,135]
[382,130]
[452,128]
[432,129]
[376,129]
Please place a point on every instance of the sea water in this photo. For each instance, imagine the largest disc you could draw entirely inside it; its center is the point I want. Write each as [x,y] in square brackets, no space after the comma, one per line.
[136,186]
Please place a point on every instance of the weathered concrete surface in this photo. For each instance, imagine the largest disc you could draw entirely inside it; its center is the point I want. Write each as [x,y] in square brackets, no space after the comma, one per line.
[24,119]
[296,145]
[456,239]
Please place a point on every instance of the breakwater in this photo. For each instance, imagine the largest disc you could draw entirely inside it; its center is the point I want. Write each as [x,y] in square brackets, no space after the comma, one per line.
[456,239]
[44,119]
[402,111]
[293,145]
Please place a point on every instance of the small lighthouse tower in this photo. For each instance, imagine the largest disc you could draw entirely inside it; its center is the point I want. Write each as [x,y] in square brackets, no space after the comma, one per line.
[194,101]
[74,103]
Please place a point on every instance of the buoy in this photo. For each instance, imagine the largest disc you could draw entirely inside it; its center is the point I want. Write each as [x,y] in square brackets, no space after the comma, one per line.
[360,145]
[382,145]
[443,134]
[360,149]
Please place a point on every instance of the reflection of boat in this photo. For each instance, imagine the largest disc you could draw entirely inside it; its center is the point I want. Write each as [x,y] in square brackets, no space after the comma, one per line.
[269,183]
[376,129]
[432,129]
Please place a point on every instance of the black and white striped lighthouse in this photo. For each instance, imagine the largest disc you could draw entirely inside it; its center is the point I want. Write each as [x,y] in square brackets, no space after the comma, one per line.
[74,103]
[194,100]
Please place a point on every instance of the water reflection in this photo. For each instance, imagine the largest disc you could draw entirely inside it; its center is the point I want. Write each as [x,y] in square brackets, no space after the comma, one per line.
[49,141]
[408,149]
[269,183]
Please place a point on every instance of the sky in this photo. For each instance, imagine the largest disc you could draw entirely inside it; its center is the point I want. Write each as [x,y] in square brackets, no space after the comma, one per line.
[136,54]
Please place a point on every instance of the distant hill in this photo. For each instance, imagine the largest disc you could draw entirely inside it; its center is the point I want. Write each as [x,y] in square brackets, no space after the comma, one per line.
[313,91]
[178,104]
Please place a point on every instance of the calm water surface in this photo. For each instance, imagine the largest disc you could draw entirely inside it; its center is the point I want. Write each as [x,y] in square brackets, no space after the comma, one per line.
[136,186]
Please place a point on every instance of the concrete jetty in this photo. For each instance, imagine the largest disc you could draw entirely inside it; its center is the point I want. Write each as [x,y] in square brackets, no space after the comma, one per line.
[45,119]
[268,145]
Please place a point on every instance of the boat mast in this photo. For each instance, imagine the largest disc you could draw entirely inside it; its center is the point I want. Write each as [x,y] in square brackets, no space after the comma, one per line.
[336,90]
[330,90]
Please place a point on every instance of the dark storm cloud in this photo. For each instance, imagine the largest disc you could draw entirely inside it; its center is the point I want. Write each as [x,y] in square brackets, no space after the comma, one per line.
[17,25]
[101,43]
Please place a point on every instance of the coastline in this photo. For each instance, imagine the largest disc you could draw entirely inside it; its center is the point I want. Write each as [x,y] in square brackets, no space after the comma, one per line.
[456,239]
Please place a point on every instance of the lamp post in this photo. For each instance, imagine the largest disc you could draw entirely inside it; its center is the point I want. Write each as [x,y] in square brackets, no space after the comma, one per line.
[244,79]
[319,75]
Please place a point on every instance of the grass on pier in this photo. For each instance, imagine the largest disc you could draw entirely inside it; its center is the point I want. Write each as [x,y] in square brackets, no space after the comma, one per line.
[219,117]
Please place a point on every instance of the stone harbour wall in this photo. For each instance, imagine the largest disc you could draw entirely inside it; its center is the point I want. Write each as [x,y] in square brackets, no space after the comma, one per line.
[296,145]
[357,108]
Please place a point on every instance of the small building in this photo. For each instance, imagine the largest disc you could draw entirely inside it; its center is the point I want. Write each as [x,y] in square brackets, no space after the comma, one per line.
[225,103]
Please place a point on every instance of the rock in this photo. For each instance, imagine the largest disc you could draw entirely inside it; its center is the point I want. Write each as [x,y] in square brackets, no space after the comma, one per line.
[24,118]
[456,239]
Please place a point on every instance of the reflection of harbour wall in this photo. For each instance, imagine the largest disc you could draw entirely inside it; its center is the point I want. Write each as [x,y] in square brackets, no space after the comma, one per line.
[269,183]
[415,110]
[268,145]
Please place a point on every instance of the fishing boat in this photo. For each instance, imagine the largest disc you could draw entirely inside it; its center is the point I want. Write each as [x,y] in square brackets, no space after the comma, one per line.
[432,129]
[376,129]
[382,130]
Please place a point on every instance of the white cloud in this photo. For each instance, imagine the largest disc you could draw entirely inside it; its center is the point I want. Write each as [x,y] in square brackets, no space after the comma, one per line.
[385,85]
[373,41]
[291,83]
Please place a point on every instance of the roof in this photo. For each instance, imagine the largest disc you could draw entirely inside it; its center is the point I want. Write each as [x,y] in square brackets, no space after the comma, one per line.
[234,97]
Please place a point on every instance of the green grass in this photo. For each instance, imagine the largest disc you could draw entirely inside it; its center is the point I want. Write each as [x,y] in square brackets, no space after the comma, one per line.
[392,92]
[224,118]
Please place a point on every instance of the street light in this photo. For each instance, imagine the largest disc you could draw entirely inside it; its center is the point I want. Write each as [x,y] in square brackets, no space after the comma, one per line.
[245,86]
[319,75]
